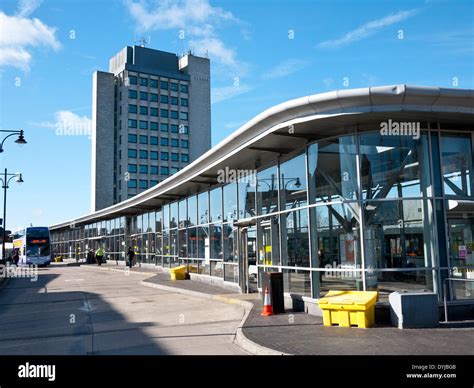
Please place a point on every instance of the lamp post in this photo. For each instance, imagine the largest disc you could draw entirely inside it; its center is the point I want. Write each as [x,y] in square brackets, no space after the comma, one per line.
[5,181]
[20,140]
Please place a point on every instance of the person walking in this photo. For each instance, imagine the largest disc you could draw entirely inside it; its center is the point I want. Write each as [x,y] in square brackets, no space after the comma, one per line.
[131,256]
[99,254]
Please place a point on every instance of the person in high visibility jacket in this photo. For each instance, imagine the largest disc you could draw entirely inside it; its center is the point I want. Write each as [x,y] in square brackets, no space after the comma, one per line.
[99,254]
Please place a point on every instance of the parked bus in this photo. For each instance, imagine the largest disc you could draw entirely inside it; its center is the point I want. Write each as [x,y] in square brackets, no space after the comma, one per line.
[34,245]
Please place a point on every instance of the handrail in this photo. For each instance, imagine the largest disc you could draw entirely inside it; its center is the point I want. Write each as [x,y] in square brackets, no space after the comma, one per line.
[444,294]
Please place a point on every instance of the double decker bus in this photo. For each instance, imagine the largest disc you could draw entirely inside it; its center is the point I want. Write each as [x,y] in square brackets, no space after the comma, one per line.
[34,245]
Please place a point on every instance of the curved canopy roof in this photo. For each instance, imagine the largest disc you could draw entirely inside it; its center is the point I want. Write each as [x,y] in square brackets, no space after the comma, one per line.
[289,126]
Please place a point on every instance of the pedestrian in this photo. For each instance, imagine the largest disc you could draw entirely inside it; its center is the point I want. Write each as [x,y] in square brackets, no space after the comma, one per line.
[131,256]
[321,264]
[16,257]
[99,254]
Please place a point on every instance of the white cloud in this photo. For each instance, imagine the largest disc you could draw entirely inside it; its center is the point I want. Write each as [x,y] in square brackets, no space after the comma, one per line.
[197,18]
[285,68]
[18,35]
[220,94]
[68,123]
[368,29]
[27,7]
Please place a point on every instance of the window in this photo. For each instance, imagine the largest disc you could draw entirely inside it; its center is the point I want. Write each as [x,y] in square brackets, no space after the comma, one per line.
[174,128]
[153,183]
[184,102]
[164,127]
[143,184]
[153,140]
[153,169]
[153,83]
[143,124]
[184,158]
[154,112]
[174,86]
[143,81]
[132,138]
[164,170]
[174,100]
[293,183]
[164,156]
[164,85]
[184,143]
[144,96]
[132,109]
[143,139]
[456,153]
[153,155]
[183,129]
[183,115]
[143,154]
[203,207]
[132,153]
[267,190]
[332,170]
[174,114]
[164,113]
[143,169]
[132,80]
[153,97]
[132,184]
[164,141]
[153,126]
[174,157]
[174,143]
[132,168]
[132,123]
[143,110]
[174,170]
[184,88]
[132,94]
[164,99]
[215,198]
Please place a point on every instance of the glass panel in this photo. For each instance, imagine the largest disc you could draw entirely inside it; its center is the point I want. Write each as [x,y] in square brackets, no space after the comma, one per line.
[183,243]
[230,202]
[215,198]
[398,234]
[192,242]
[192,210]
[231,273]
[174,215]
[203,243]
[268,241]
[297,282]
[456,153]
[203,208]
[183,214]
[394,166]
[246,187]
[166,217]
[295,239]
[229,249]
[406,281]
[174,242]
[216,241]
[332,170]
[267,190]
[217,269]
[293,183]
[460,218]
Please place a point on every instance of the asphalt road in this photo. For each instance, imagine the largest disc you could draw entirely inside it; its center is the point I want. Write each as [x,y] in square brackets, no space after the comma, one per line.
[80,310]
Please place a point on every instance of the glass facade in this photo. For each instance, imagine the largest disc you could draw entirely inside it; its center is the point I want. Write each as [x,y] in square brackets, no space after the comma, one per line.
[355,212]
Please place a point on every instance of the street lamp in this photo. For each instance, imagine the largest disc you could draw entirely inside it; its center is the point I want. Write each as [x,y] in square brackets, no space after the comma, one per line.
[20,140]
[5,181]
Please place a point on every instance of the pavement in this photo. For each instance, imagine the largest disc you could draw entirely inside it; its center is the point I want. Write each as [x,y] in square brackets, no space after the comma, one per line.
[76,310]
[237,328]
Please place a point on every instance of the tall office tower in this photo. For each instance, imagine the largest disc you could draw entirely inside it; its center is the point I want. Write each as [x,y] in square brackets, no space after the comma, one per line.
[151,116]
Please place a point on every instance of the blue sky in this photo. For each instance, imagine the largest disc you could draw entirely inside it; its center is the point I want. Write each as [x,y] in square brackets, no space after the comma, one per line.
[262,53]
